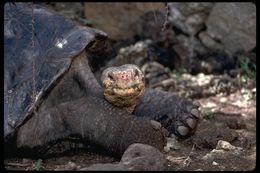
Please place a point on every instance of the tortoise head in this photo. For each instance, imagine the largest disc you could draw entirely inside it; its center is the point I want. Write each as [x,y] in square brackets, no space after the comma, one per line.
[123,85]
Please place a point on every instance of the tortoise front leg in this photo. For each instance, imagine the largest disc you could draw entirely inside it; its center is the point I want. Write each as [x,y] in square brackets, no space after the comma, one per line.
[93,119]
[178,115]
[84,75]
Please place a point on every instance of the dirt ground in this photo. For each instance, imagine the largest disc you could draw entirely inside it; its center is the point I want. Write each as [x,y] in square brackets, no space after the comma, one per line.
[238,120]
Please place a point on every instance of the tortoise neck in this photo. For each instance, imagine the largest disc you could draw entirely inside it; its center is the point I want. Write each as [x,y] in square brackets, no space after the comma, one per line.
[85,76]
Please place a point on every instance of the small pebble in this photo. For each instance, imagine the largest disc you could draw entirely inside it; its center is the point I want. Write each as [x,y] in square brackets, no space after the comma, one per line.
[166,149]
[215,163]
[71,165]
[156,125]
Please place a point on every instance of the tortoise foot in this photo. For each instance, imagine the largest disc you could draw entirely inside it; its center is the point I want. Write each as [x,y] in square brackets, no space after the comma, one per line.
[184,122]
[178,115]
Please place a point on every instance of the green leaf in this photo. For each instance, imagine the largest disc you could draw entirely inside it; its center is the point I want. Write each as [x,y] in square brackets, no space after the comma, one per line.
[38,165]
[207,112]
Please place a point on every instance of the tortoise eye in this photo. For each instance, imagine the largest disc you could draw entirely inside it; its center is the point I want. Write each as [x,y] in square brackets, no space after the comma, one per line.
[136,73]
[110,76]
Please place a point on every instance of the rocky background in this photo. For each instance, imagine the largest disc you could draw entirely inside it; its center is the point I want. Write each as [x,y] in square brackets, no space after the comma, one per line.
[201,51]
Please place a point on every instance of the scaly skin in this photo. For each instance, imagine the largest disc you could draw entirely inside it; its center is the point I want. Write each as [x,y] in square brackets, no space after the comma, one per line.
[123,86]
[69,101]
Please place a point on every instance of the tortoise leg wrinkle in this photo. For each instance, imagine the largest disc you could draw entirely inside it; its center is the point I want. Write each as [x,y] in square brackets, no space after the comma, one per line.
[96,121]
[178,115]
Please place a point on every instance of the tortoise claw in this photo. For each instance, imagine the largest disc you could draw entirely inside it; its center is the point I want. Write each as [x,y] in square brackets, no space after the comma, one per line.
[191,122]
[195,112]
[182,130]
[196,103]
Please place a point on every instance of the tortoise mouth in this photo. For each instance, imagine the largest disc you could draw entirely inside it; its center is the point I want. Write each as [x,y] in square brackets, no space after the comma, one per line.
[127,91]
[124,85]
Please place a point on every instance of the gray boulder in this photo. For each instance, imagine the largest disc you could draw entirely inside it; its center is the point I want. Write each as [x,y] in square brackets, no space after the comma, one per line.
[137,157]
[142,157]
[189,17]
[234,25]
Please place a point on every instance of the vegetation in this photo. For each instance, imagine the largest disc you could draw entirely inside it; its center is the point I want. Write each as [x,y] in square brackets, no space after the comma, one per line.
[38,165]
[248,69]
[207,112]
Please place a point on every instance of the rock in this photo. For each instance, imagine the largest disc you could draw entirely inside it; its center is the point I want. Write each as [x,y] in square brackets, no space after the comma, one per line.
[172,143]
[70,10]
[189,17]
[142,52]
[228,160]
[187,8]
[105,167]
[137,53]
[234,25]
[118,20]
[155,74]
[166,85]
[225,145]
[215,163]
[209,42]
[223,151]
[137,157]
[228,147]
[71,166]
[187,48]
[214,154]
[195,23]
[156,125]
[141,157]
[166,149]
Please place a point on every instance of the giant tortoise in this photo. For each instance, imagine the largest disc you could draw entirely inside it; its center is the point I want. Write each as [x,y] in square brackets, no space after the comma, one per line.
[50,92]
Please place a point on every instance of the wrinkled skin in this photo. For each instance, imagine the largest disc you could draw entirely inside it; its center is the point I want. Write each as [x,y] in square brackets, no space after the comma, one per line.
[70,101]
[124,87]
[76,108]
[178,115]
